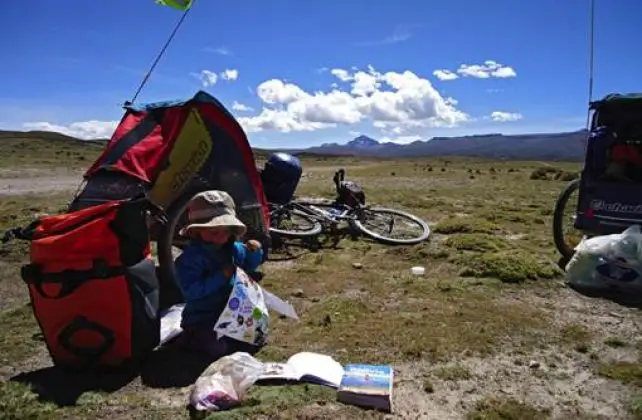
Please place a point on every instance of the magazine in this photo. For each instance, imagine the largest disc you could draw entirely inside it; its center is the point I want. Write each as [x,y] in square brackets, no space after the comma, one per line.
[367,386]
[305,367]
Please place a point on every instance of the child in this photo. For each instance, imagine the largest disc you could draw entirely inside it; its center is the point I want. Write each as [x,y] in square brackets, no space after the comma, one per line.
[206,270]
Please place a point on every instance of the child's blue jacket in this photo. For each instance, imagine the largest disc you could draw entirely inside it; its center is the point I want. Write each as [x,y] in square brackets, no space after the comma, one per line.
[202,282]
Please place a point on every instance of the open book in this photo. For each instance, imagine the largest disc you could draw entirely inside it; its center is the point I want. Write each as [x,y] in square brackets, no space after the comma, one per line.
[367,386]
[305,367]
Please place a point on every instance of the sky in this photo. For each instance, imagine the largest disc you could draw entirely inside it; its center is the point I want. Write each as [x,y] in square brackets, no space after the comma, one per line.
[303,73]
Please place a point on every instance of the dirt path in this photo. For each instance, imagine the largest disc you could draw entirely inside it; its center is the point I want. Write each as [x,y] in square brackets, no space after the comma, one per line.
[17,182]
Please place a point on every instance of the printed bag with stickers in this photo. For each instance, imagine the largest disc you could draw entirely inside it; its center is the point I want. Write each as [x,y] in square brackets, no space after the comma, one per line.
[245,317]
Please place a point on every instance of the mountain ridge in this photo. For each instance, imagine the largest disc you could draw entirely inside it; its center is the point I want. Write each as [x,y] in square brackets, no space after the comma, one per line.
[562,146]
[534,146]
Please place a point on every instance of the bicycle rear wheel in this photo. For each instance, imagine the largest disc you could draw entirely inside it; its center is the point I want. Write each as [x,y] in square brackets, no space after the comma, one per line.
[391,217]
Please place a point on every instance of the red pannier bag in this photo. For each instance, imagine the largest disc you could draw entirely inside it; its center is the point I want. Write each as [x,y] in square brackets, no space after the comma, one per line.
[93,285]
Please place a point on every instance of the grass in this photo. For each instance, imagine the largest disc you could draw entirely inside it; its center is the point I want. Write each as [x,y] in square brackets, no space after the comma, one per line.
[578,336]
[636,407]
[507,409]
[20,337]
[465,225]
[477,242]
[271,401]
[548,173]
[489,259]
[626,372]
[510,267]
[46,150]
[452,373]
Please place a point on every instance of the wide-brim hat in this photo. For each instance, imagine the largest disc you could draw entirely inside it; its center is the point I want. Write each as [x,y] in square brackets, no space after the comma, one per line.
[213,210]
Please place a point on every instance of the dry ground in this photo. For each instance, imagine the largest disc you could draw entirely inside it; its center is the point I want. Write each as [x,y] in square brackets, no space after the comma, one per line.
[490,332]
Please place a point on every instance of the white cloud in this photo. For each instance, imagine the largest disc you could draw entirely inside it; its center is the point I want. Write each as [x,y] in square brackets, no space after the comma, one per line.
[210,78]
[341,74]
[501,116]
[487,70]
[362,83]
[444,74]
[219,50]
[401,33]
[490,68]
[86,130]
[409,102]
[207,78]
[237,106]
[229,74]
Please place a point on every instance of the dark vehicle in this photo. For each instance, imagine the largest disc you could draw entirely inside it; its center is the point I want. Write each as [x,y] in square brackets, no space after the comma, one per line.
[607,197]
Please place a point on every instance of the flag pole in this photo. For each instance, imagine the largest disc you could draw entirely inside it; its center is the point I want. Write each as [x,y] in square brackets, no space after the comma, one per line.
[160,54]
[591,58]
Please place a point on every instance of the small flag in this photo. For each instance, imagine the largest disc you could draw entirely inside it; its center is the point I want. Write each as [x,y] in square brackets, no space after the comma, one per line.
[176,4]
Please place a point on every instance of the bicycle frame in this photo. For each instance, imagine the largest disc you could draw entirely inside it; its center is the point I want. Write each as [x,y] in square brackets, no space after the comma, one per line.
[313,211]
[324,215]
[318,214]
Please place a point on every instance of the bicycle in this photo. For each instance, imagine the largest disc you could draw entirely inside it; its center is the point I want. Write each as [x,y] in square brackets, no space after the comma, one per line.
[349,206]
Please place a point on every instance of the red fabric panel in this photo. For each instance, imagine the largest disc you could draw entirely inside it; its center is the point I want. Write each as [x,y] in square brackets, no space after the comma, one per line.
[144,160]
[72,240]
[105,302]
[144,157]
[173,121]
[127,123]
[212,112]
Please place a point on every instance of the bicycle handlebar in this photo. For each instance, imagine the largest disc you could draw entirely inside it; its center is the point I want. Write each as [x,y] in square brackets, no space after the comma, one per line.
[339,176]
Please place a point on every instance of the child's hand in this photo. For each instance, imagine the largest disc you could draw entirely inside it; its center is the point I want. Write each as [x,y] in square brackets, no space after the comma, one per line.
[228,272]
[253,245]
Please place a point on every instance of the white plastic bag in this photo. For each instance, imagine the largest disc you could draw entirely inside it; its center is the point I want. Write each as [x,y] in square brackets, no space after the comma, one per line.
[170,324]
[225,382]
[609,261]
[245,317]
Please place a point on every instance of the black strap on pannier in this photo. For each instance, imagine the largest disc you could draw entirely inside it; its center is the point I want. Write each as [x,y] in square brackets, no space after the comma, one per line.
[69,280]
[89,355]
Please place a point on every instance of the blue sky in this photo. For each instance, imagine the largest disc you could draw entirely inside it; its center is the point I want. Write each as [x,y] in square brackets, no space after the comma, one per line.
[304,73]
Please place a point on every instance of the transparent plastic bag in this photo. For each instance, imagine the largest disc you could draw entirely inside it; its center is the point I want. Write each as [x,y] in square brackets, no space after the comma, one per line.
[609,261]
[628,246]
[224,384]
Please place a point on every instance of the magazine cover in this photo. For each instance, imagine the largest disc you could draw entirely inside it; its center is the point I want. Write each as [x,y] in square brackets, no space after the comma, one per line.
[367,386]
[367,379]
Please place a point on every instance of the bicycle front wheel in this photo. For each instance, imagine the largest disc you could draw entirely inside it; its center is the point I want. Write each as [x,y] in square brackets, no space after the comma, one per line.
[383,225]
[565,236]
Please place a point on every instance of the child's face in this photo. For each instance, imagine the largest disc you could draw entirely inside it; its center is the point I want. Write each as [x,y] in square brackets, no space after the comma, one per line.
[215,236]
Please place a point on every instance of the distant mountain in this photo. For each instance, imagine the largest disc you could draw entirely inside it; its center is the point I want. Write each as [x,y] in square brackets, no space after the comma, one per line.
[361,142]
[546,146]
[359,146]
